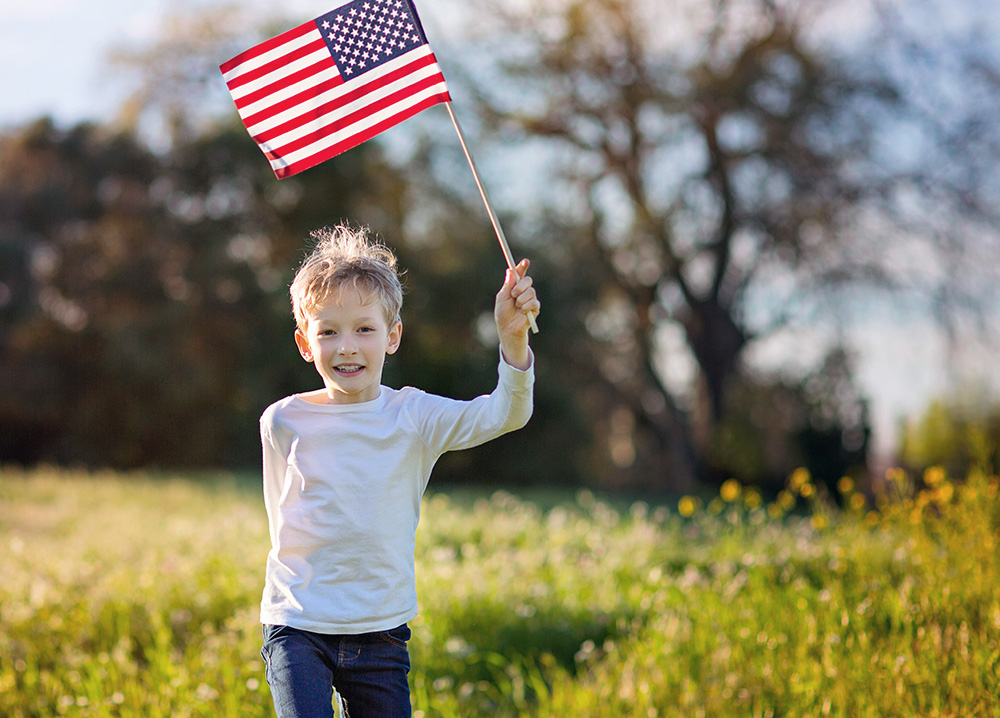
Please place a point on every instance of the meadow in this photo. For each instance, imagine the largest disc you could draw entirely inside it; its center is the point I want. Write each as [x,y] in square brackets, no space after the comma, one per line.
[135,595]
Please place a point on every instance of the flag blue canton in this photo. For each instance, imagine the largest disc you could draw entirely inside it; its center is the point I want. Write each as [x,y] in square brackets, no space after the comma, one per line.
[367,33]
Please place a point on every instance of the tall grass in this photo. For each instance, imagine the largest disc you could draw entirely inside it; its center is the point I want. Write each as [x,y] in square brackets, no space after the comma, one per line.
[136,595]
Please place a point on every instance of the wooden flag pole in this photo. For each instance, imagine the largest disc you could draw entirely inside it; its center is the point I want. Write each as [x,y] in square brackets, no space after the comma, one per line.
[486,200]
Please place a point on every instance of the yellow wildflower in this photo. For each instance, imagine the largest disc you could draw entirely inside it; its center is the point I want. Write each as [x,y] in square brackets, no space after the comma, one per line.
[934,476]
[730,491]
[786,500]
[799,477]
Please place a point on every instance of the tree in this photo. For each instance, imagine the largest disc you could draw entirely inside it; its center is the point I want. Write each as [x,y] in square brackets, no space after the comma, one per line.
[144,315]
[150,323]
[722,171]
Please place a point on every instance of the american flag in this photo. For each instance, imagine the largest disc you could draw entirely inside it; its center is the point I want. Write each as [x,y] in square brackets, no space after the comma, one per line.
[330,84]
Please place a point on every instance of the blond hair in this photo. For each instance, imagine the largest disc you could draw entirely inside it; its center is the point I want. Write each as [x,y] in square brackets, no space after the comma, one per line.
[345,256]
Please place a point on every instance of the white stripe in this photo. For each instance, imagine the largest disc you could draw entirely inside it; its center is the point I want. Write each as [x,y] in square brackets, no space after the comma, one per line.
[275,97]
[340,112]
[273,54]
[281,72]
[265,102]
[331,117]
[353,129]
[348,86]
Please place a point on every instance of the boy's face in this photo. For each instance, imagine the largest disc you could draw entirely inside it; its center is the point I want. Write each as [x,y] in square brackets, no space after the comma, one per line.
[347,339]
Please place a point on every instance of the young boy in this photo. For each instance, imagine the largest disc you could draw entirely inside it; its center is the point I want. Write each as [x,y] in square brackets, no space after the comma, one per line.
[345,467]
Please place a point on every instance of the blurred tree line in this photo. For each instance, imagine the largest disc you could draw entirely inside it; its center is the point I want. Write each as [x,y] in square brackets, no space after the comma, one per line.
[689,179]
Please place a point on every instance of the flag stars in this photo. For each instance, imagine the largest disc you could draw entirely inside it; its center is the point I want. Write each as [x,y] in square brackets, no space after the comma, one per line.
[367,33]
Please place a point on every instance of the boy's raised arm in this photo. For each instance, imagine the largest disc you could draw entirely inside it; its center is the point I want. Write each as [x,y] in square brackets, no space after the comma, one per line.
[514,302]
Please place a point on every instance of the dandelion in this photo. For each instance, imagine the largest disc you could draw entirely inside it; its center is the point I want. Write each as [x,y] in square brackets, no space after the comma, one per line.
[687,506]
[730,491]
[845,485]
[785,500]
[819,521]
[807,490]
[799,478]
[856,502]
[752,499]
[775,511]
[934,476]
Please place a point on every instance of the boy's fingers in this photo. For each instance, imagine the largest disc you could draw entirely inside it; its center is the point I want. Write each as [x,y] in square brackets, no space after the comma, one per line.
[522,286]
[521,267]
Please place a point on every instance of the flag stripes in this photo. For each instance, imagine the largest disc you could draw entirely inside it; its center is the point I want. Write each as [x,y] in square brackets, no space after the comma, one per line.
[300,109]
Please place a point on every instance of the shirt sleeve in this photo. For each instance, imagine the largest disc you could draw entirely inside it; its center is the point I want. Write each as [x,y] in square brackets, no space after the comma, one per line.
[450,424]
[274,467]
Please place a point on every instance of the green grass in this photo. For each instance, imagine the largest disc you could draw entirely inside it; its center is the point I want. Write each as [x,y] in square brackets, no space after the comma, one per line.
[136,595]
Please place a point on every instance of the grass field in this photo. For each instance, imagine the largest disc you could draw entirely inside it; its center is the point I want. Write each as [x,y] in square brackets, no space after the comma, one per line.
[136,595]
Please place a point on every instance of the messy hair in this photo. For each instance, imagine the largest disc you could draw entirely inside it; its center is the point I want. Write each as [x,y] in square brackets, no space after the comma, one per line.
[346,256]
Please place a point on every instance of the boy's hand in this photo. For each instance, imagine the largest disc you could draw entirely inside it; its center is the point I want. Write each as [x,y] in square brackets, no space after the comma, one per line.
[515,301]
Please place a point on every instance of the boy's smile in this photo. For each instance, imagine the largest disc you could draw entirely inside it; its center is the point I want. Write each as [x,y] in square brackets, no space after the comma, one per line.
[347,339]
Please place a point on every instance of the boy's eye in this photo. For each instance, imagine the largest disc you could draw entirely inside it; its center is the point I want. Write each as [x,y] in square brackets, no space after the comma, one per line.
[367,329]
[327,333]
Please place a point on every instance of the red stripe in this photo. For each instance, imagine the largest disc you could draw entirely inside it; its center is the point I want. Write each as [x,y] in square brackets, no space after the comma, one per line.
[276,63]
[349,96]
[287,81]
[267,45]
[292,101]
[354,141]
[344,121]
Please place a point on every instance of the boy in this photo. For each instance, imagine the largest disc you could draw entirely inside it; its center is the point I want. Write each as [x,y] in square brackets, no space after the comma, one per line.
[345,467]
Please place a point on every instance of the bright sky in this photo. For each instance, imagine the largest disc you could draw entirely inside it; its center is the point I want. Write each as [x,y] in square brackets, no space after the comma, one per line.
[54,54]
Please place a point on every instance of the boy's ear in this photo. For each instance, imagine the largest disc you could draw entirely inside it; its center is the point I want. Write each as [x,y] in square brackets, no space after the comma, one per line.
[395,335]
[302,342]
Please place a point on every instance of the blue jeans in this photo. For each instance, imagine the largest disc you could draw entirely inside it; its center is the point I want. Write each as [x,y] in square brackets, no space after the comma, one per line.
[369,672]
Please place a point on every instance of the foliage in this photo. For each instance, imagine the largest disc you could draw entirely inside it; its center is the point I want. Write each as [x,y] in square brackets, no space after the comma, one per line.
[150,315]
[144,318]
[135,595]
[957,435]
[727,170]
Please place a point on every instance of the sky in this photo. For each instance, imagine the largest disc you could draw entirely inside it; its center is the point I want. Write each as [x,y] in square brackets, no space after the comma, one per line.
[67,80]
[55,54]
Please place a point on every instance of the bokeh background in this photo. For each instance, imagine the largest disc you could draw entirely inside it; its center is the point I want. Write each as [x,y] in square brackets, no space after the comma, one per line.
[761,475]
[765,234]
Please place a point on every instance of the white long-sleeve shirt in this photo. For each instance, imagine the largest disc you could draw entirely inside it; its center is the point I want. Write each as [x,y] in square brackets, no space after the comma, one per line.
[342,489]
